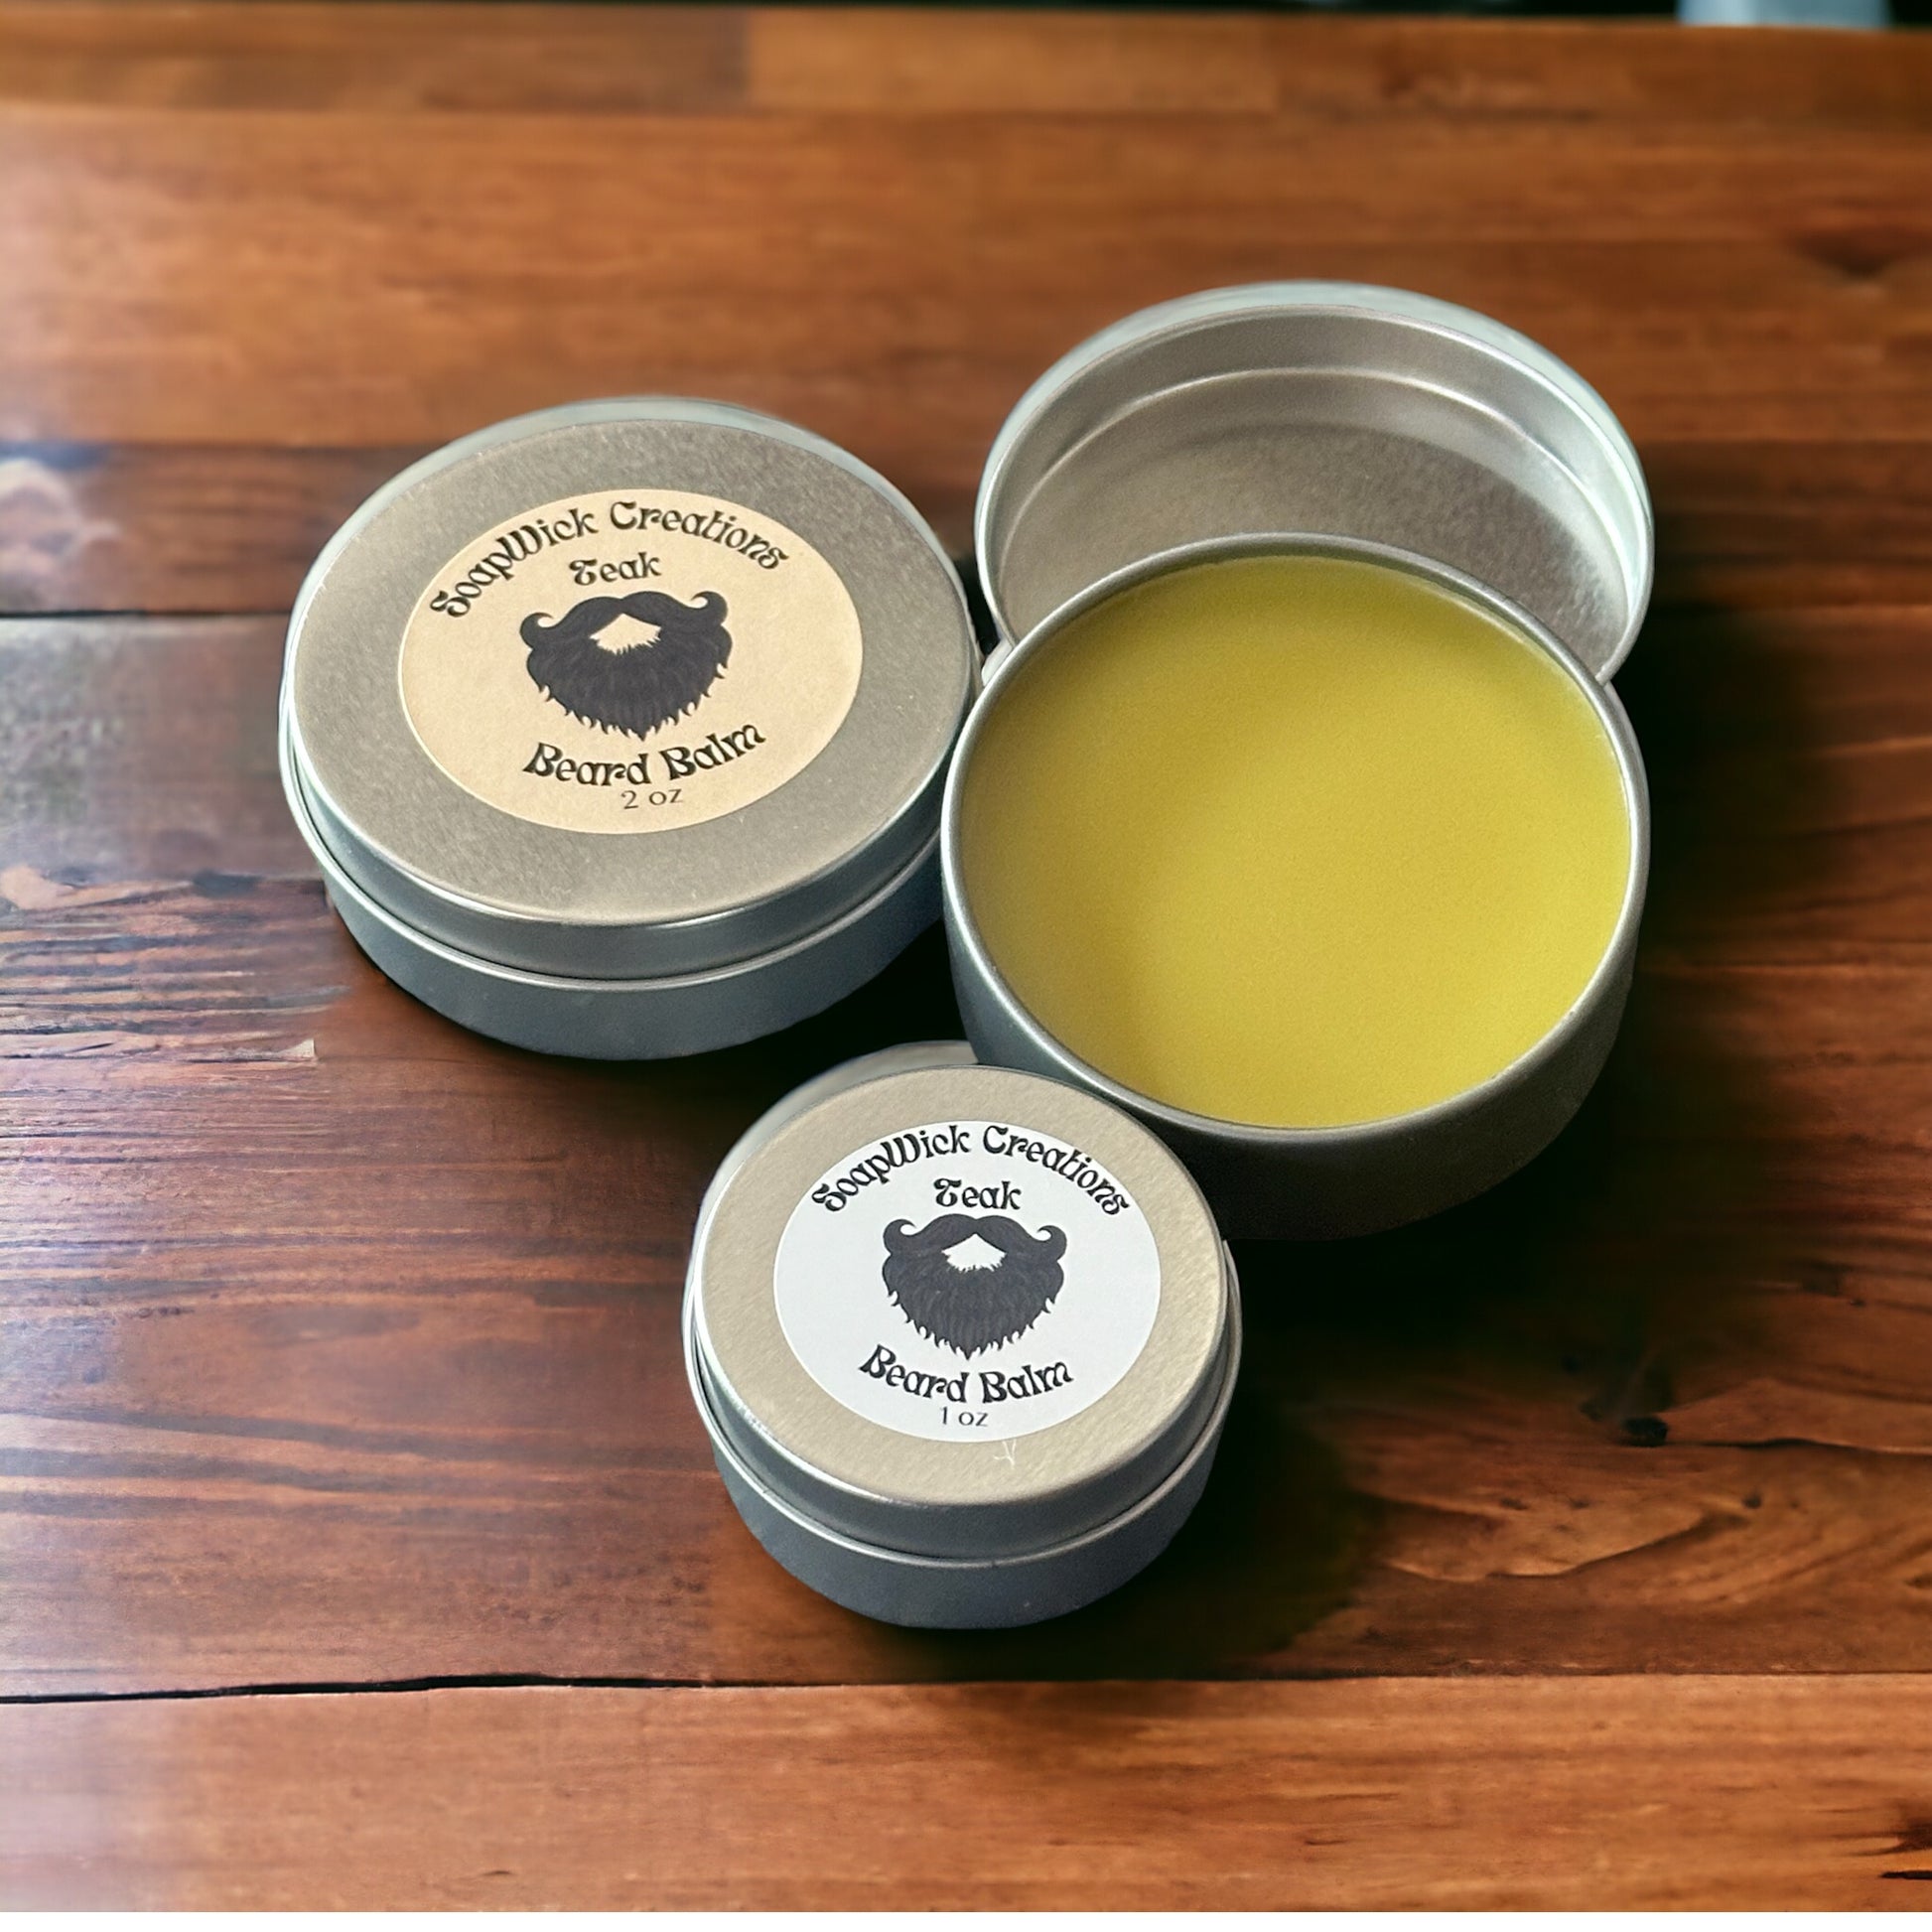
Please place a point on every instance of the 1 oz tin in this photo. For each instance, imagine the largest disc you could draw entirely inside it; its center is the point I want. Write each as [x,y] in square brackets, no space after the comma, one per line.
[1355,421]
[619,730]
[963,1339]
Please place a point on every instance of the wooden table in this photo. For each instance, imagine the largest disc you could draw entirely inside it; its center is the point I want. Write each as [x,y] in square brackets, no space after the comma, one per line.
[360,1546]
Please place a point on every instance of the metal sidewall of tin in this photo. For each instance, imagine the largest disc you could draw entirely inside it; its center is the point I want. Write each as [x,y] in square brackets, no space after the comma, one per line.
[985,1527]
[605,952]
[1440,364]
[1327,1183]
[1325,1187]
[634,1020]
[958,1593]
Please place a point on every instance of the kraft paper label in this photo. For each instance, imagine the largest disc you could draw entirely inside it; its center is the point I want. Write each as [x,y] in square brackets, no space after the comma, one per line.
[967,1280]
[630,660]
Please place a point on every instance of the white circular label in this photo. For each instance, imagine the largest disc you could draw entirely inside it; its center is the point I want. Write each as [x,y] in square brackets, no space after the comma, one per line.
[967,1280]
[630,660]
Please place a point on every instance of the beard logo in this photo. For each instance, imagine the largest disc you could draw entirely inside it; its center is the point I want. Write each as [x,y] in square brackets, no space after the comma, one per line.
[637,688]
[970,1309]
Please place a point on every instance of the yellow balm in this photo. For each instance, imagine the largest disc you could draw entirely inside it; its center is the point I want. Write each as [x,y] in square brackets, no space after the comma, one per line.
[1296,841]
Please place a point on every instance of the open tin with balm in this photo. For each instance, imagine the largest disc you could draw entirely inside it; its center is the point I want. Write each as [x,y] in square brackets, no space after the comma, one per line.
[963,1339]
[618,730]
[1299,817]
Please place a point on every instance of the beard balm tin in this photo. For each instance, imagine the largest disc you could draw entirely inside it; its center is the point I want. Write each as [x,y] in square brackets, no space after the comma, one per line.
[619,730]
[963,1339]
[1310,596]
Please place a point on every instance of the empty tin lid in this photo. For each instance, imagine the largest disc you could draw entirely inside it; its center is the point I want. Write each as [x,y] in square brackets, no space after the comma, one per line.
[1323,409]
[628,688]
[956,1310]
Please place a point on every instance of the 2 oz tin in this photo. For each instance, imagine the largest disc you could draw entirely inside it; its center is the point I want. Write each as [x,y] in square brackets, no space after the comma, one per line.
[1353,421]
[619,730]
[963,1339]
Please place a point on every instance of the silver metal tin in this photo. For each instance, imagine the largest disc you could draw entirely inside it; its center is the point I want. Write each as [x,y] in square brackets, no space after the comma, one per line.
[605,940]
[1342,1181]
[898,1501]
[1330,407]
[645,1019]
[1363,420]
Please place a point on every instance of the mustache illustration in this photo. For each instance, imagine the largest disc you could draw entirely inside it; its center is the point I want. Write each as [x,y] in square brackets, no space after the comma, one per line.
[969,1310]
[636,690]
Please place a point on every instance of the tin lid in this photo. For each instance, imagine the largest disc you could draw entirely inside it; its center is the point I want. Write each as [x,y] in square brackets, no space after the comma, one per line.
[1323,409]
[627,688]
[953,1310]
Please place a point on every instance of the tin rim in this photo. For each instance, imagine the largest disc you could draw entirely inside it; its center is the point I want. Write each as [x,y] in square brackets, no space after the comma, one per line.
[1611,714]
[534,941]
[340,880]
[1203,1444]
[1447,320]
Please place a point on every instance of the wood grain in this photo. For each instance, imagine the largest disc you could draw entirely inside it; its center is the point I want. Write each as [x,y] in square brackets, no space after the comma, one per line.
[170,528]
[307,56]
[885,224]
[837,268]
[193,528]
[343,1343]
[337,1346]
[1612,1793]
[1390,71]
[501,55]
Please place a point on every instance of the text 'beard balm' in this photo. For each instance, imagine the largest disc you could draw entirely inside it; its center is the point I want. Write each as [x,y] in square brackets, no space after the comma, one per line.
[1298,816]
[963,1339]
[1296,841]
[619,730]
